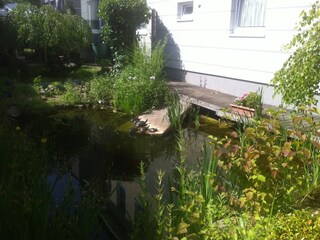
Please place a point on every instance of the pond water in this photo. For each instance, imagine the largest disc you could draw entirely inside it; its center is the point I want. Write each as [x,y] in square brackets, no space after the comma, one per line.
[90,143]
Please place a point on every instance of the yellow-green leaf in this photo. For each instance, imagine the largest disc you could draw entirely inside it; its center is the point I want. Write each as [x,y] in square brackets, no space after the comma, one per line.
[261,178]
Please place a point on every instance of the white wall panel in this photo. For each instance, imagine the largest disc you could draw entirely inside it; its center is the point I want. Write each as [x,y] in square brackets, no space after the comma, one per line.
[205,44]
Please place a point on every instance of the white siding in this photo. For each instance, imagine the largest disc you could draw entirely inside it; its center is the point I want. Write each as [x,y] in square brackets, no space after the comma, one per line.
[206,46]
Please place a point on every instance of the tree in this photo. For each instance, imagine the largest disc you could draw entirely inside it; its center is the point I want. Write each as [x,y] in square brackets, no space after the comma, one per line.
[74,34]
[121,20]
[46,29]
[299,78]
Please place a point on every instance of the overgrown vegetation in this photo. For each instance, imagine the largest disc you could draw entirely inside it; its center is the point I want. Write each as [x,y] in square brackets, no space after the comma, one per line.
[298,80]
[41,29]
[256,183]
[140,85]
[131,88]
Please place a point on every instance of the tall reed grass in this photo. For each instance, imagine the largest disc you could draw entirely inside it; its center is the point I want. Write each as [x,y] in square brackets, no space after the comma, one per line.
[175,110]
[140,85]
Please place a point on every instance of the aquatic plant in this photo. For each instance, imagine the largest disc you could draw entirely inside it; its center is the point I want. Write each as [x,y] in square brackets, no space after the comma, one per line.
[175,110]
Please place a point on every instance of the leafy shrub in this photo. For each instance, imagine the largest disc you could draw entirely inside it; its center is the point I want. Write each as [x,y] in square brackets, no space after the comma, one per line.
[121,20]
[298,80]
[301,224]
[40,28]
[259,167]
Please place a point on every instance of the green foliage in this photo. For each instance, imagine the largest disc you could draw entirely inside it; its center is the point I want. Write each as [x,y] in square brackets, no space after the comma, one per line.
[301,224]
[74,34]
[266,160]
[180,113]
[121,20]
[72,94]
[175,112]
[298,80]
[248,187]
[252,100]
[42,29]
[132,89]
[101,89]
[140,86]
[191,212]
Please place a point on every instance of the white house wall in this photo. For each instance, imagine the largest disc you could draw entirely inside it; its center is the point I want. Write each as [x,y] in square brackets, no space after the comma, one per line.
[207,51]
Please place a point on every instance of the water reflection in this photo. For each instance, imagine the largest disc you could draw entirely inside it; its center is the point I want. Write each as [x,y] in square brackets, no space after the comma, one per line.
[88,141]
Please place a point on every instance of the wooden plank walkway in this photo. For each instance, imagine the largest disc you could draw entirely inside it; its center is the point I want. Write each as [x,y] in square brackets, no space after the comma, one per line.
[203,97]
[219,102]
[210,99]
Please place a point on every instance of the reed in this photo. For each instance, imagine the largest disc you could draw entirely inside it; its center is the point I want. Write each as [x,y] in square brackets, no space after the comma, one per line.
[192,207]
[140,85]
[175,111]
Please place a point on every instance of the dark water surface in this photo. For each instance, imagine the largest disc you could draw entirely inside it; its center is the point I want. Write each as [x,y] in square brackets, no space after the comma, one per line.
[89,143]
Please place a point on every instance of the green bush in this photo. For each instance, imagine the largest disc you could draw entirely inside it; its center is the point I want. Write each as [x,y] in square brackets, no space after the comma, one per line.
[301,224]
[140,85]
[41,29]
[121,19]
[298,80]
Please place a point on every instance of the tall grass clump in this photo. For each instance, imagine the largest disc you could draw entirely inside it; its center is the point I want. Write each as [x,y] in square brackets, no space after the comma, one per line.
[140,85]
[28,209]
[101,89]
[175,110]
[180,112]
[72,94]
[24,199]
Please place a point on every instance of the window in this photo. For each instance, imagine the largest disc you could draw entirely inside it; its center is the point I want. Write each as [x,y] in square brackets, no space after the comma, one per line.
[185,11]
[248,16]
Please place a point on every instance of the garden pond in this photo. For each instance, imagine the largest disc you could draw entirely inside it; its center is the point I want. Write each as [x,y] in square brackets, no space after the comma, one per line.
[90,144]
